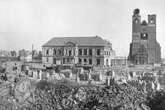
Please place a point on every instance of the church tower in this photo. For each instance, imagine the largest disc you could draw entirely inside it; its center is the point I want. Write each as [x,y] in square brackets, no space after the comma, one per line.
[144,48]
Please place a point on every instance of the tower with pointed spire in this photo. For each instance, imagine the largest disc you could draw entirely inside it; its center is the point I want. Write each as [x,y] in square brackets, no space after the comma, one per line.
[144,48]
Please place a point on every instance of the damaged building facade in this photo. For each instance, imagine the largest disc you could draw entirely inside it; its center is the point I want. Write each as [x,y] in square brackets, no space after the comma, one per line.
[144,48]
[82,51]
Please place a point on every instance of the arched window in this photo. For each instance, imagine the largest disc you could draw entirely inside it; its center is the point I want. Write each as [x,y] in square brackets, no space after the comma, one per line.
[59,51]
[152,20]
[98,52]
[80,51]
[85,51]
[54,51]
[107,62]
[47,51]
[90,52]
[136,20]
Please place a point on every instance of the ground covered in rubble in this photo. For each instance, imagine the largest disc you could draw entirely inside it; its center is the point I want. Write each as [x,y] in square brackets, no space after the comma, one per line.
[67,95]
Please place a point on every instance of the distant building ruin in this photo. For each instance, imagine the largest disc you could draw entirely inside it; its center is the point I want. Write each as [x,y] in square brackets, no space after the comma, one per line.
[144,48]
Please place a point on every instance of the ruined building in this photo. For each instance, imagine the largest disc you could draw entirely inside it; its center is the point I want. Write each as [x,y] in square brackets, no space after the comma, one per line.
[82,51]
[144,48]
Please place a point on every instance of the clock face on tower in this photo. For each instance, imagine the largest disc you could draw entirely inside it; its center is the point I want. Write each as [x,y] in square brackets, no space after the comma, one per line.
[144,36]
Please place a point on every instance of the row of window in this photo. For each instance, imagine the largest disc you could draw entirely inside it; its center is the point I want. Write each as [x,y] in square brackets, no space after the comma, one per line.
[67,60]
[59,52]
[88,52]
[81,52]
[108,53]
[89,61]
[85,61]
[55,52]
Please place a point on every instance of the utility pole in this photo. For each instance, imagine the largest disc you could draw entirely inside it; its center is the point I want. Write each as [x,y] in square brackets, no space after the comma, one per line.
[32,57]
[32,52]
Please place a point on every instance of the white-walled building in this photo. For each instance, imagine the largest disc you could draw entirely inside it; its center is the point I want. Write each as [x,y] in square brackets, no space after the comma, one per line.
[82,51]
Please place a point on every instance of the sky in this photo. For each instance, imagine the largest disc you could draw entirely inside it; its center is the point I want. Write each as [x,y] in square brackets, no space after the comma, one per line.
[27,22]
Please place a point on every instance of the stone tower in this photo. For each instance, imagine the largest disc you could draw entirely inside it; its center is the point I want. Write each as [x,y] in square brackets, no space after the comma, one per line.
[144,48]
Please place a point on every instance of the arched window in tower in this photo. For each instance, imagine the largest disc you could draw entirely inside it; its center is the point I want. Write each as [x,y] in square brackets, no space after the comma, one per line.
[144,36]
[152,21]
[144,23]
[136,20]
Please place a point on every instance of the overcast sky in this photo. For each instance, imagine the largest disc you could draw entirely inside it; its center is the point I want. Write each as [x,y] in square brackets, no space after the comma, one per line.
[27,22]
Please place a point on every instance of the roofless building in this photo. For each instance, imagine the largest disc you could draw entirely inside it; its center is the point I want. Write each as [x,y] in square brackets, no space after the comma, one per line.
[144,48]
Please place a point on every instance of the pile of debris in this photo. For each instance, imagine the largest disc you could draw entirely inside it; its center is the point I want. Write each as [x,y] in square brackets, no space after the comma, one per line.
[84,97]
